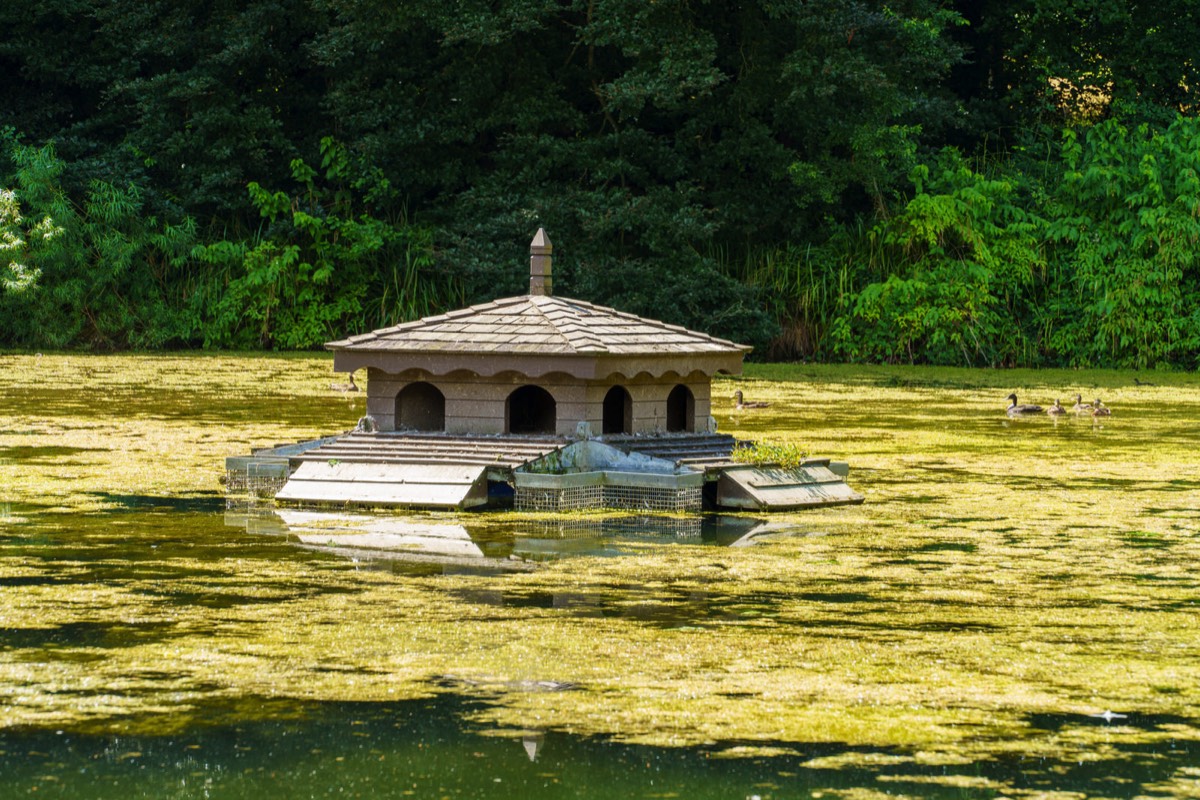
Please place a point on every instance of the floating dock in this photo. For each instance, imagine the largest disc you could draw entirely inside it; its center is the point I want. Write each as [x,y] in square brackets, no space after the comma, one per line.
[669,472]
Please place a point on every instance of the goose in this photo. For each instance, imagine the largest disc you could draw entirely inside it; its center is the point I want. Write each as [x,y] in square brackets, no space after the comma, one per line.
[345,387]
[1056,409]
[1100,410]
[1138,382]
[1081,407]
[1015,410]
[741,404]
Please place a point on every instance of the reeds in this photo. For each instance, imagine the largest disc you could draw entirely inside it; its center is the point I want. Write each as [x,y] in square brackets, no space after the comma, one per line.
[409,292]
[807,287]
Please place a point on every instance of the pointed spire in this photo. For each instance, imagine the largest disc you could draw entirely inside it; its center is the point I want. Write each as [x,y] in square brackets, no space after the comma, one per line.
[539,264]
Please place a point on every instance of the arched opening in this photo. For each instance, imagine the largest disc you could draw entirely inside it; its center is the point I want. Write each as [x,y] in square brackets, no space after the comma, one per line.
[420,407]
[681,410]
[530,409]
[618,411]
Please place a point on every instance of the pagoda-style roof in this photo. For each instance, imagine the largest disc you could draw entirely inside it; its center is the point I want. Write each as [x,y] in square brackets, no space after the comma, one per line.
[538,334]
[538,325]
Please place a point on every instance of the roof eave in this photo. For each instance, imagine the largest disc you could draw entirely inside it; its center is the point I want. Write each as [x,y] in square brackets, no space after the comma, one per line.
[582,366]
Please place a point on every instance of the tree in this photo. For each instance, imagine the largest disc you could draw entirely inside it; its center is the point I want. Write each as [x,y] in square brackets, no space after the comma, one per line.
[1035,66]
[650,138]
[1127,221]
[326,262]
[213,94]
[98,270]
[958,265]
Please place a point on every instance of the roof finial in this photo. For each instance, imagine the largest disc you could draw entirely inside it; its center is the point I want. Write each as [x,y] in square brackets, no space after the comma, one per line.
[539,264]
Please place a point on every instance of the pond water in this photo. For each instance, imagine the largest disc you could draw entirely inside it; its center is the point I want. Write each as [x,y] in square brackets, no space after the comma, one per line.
[427,749]
[1012,611]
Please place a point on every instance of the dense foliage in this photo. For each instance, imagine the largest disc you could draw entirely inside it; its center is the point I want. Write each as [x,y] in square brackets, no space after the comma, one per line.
[1005,182]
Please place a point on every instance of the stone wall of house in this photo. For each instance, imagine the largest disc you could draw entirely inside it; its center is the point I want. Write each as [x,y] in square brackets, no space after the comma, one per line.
[477,405]
[649,397]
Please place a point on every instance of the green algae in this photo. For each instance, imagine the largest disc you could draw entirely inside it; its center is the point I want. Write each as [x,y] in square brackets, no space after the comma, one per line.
[1005,581]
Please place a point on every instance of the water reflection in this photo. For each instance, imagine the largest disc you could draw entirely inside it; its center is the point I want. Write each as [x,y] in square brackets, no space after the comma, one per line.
[433,748]
[429,545]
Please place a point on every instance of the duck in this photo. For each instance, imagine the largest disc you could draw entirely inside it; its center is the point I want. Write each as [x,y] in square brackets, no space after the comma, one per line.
[1100,410]
[1081,407]
[1015,410]
[345,387]
[740,404]
[1056,409]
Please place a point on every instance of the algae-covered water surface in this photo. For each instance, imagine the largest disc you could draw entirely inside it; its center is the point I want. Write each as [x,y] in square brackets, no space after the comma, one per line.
[1013,611]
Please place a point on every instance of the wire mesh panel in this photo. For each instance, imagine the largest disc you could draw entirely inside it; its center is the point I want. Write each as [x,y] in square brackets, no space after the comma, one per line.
[579,498]
[572,498]
[245,487]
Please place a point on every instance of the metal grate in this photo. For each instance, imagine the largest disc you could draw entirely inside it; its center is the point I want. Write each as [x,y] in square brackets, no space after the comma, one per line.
[572,498]
[243,489]
[639,498]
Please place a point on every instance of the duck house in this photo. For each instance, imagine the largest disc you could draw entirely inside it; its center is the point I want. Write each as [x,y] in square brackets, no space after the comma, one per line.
[557,403]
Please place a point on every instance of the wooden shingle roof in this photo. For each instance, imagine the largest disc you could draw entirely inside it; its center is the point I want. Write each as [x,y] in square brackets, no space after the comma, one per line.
[537,325]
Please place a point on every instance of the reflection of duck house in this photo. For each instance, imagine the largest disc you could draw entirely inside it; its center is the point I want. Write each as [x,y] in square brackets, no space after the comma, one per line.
[432,545]
[573,405]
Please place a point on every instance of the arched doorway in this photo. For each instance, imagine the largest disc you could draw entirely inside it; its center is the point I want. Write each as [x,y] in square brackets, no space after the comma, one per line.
[530,409]
[681,410]
[420,407]
[618,411]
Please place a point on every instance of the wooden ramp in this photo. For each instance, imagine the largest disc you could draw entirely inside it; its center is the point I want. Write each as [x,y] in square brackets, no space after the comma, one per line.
[773,488]
[702,452]
[409,469]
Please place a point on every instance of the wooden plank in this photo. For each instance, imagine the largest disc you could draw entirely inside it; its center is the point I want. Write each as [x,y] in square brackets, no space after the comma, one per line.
[447,454]
[408,459]
[384,494]
[352,447]
[755,488]
[432,449]
[426,486]
[435,444]
[779,478]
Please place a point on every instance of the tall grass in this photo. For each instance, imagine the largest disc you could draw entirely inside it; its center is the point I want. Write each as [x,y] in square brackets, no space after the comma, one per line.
[806,287]
[408,291]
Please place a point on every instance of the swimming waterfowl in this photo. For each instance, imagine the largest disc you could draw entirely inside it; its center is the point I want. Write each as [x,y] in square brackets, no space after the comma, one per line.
[1081,407]
[1015,410]
[345,387]
[741,404]
[1056,409]
[1100,410]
